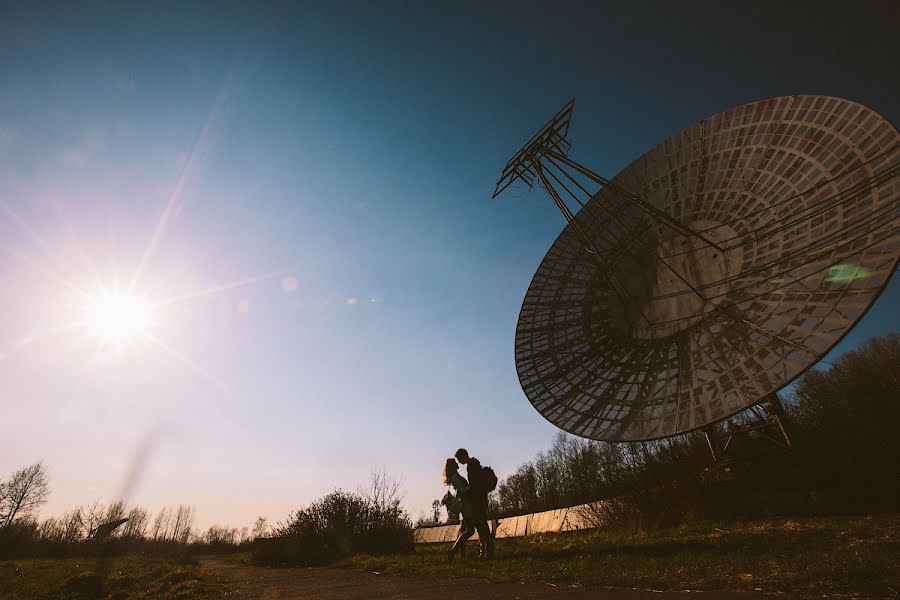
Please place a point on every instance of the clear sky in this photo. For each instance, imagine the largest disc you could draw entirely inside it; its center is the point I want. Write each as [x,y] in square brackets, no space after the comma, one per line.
[310,187]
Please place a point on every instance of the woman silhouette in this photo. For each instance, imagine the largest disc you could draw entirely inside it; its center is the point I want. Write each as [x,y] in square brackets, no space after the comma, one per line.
[467,524]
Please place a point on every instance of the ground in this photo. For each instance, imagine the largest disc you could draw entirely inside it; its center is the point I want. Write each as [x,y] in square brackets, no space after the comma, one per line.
[245,582]
[117,578]
[846,557]
[821,556]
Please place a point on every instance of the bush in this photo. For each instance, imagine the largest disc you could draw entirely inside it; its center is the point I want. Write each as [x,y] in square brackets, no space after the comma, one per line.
[337,525]
[18,537]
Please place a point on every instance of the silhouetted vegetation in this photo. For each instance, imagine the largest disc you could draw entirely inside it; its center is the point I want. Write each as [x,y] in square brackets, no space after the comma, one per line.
[370,521]
[23,493]
[85,531]
[647,484]
[847,426]
[340,524]
[845,423]
[75,533]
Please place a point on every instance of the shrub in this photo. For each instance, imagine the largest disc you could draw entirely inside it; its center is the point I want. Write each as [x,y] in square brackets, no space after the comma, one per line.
[337,525]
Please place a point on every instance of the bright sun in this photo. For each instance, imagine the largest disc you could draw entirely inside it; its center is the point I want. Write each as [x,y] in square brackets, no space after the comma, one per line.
[117,317]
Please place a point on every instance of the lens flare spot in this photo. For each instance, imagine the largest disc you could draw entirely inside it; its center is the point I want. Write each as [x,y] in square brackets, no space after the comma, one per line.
[847,273]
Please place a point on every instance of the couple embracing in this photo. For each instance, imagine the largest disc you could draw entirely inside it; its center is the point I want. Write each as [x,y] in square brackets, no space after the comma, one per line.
[472,495]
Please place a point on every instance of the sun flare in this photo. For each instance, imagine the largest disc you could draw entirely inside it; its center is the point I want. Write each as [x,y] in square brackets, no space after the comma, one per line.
[117,317]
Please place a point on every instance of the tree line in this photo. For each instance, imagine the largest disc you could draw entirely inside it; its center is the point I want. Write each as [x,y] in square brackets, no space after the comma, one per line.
[370,520]
[845,432]
[26,490]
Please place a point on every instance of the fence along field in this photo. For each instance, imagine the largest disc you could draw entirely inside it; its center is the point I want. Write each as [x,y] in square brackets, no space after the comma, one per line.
[573,518]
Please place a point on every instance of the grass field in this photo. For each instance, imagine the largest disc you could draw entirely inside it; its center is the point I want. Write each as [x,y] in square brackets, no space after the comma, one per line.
[822,556]
[122,578]
[833,556]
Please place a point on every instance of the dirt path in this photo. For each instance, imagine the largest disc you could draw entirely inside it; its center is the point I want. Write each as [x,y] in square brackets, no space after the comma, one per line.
[244,583]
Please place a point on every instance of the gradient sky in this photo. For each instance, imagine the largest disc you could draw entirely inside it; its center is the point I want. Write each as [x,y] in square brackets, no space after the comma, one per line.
[348,150]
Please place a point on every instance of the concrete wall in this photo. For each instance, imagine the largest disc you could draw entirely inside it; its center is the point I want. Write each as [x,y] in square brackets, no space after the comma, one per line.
[550,521]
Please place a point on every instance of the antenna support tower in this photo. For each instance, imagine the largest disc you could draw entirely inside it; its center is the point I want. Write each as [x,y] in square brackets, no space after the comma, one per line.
[766,427]
[545,157]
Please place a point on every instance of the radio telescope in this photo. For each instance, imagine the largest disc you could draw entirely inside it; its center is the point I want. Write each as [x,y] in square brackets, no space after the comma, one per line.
[711,271]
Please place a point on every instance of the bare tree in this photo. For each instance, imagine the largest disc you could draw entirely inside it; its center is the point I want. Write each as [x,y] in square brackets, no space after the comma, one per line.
[216,534]
[183,522]
[24,493]
[51,530]
[384,490]
[260,528]
[92,516]
[136,527]
[73,525]
[160,528]
[116,510]
[436,512]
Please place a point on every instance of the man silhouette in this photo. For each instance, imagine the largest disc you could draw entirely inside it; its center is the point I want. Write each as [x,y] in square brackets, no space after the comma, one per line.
[479,497]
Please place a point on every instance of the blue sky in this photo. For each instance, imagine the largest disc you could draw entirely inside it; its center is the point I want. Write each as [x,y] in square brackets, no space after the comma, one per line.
[352,147]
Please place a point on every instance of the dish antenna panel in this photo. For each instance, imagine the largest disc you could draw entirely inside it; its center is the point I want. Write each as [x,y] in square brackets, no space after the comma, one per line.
[711,271]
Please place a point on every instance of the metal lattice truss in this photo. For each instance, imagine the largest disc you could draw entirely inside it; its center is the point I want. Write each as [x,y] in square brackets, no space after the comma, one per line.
[711,271]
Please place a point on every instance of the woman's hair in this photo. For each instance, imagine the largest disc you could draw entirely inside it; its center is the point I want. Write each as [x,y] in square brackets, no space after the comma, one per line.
[450,467]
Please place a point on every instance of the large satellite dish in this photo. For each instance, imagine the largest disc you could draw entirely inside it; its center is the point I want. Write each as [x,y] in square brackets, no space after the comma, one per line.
[711,271]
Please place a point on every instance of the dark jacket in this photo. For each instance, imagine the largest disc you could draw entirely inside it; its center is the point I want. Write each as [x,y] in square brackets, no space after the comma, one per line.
[476,480]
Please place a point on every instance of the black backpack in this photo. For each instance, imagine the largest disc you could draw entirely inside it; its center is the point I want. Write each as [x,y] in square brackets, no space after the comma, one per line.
[488,479]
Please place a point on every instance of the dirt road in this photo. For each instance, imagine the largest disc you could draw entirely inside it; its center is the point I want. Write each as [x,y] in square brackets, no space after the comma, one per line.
[244,583]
